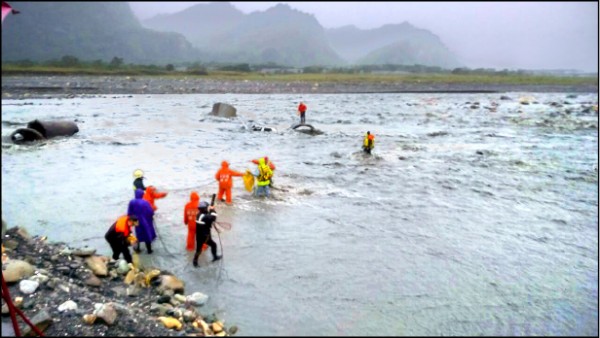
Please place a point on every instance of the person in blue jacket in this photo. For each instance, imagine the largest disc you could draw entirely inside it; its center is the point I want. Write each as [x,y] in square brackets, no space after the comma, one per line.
[143,211]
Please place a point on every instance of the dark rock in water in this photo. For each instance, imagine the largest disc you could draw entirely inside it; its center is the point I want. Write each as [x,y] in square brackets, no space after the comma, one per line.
[223,110]
[437,133]
[41,130]
[306,128]
[504,97]
[259,128]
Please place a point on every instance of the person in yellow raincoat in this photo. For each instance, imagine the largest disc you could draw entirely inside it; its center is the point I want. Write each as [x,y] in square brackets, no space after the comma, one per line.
[368,142]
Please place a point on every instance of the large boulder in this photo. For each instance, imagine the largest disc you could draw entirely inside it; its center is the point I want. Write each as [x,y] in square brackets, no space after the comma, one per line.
[223,110]
[169,282]
[106,312]
[14,270]
[98,265]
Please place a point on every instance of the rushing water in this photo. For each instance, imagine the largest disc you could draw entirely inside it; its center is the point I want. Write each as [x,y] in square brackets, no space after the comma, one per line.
[466,221]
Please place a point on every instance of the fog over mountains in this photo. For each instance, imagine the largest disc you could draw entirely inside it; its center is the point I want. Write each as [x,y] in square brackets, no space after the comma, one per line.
[287,36]
[220,32]
[514,35]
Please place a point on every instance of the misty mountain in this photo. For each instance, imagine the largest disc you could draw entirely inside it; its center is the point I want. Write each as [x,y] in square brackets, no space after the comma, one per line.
[89,31]
[391,44]
[203,25]
[280,34]
[208,32]
[411,52]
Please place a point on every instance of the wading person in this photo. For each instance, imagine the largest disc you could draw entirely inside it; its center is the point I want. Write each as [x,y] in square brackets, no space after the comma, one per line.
[138,182]
[263,176]
[143,211]
[152,194]
[225,177]
[206,217]
[270,164]
[302,112]
[368,142]
[119,237]
[190,213]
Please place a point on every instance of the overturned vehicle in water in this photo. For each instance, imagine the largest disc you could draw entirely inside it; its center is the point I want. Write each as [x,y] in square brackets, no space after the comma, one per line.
[37,130]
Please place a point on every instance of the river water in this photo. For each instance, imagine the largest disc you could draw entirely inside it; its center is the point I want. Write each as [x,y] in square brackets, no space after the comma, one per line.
[467,220]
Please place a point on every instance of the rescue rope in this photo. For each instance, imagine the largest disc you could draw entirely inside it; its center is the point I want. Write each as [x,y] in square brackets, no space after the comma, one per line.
[161,240]
[13,310]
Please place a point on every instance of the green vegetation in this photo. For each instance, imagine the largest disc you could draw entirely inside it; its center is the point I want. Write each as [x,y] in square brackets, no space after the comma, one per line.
[70,65]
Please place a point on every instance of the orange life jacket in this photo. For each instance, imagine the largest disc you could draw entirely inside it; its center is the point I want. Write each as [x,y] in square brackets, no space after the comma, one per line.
[122,225]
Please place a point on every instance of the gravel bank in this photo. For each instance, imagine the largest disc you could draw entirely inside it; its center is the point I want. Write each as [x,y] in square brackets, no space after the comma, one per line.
[21,86]
[72,292]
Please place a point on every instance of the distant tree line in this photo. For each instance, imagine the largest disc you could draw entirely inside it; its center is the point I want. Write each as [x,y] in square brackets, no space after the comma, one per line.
[199,68]
[70,61]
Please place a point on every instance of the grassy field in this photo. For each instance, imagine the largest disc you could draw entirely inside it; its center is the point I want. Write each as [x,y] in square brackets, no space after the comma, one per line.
[508,79]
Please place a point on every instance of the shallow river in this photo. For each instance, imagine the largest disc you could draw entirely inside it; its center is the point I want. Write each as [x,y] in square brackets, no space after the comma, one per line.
[467,220]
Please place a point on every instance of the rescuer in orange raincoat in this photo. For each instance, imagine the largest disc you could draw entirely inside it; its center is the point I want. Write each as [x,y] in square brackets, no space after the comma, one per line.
[225,178]
[189,217]
[151,194]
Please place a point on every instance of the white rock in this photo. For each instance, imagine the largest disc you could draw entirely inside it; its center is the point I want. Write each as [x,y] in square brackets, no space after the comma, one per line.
[28,286]
[197,298]
[68,305]
[123,267]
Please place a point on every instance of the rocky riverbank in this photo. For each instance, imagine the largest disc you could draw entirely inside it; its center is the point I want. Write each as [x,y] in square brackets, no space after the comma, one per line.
[73,292]
[37,86]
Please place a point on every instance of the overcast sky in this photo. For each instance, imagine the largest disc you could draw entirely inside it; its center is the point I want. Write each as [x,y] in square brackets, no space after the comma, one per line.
[527,35]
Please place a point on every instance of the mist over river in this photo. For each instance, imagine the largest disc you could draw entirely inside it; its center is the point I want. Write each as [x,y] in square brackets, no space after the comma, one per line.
[475,215]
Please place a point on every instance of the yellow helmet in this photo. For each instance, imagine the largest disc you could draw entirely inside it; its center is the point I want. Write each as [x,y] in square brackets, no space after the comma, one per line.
[138,173]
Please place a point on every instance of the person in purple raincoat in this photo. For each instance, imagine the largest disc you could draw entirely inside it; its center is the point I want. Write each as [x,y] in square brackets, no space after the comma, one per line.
[143,210]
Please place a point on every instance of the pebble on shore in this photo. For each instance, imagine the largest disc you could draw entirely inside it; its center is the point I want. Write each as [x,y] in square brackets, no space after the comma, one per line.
[60,293]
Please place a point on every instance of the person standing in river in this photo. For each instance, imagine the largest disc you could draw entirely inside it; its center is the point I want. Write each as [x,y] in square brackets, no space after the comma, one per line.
[190,212]
[368,143]
[225,178]
[152,194]
[138,182]
[302,112]
[206,217]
